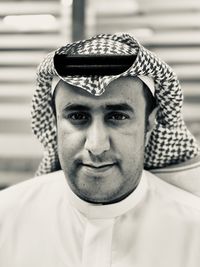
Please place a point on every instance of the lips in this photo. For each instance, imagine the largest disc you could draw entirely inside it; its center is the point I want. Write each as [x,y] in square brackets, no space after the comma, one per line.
[97,168]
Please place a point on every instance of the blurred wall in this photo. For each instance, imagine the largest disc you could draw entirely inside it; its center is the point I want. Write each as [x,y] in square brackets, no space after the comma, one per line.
[28,31]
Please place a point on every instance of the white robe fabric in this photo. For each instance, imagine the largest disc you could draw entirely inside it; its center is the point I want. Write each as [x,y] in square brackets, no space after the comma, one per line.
[44,224]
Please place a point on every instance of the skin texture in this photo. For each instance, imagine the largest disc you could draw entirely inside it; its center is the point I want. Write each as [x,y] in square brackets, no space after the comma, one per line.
[101,139]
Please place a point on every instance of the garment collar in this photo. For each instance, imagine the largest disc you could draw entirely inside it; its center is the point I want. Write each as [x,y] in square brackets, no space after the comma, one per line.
[96,211]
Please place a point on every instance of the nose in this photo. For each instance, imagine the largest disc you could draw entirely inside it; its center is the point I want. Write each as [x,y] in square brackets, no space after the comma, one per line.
[97,139]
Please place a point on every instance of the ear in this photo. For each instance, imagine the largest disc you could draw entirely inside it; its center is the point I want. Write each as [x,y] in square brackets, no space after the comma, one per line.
[151,119]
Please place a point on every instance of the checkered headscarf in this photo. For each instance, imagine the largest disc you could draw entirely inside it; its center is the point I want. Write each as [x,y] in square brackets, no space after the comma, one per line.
[170,141]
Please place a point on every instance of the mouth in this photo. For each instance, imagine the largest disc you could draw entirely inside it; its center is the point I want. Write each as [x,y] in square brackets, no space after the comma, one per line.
[98,168]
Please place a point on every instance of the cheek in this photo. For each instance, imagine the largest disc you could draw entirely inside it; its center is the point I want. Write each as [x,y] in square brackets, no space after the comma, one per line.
[69,141]
[131,140]
[131,148]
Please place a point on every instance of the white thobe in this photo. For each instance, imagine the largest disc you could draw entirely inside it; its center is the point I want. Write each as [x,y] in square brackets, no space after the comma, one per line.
[44,224]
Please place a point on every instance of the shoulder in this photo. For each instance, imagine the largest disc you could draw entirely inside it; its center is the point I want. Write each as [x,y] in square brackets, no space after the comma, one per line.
[185,175]
[173,195]
[31,190]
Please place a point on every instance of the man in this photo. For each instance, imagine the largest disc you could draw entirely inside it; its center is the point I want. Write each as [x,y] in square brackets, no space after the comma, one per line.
[95,205]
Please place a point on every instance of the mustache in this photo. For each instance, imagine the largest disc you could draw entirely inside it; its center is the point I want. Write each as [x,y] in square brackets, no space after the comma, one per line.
[97,160]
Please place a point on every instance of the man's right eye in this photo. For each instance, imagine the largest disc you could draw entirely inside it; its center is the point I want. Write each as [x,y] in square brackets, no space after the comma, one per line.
[78,117]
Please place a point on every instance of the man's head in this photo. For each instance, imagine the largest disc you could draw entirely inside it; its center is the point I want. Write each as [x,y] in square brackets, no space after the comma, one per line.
[101,140]
[170,142]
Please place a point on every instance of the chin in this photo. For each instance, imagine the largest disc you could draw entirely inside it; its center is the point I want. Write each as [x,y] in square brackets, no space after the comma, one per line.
[98,200]
[107,197]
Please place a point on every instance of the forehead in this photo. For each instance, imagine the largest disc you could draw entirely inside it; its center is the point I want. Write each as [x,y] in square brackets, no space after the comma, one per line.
[122,90]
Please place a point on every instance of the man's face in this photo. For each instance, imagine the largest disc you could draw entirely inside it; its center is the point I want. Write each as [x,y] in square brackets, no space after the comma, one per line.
[101,139]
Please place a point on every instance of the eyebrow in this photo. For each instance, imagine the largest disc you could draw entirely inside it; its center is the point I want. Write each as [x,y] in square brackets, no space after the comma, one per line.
[71,107]
[107,107]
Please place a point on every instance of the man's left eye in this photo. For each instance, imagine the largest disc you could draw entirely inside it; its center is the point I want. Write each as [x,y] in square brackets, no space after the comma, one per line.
[117,116]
